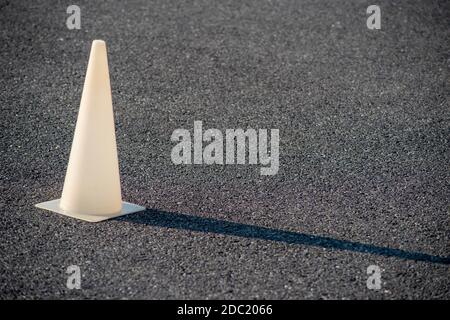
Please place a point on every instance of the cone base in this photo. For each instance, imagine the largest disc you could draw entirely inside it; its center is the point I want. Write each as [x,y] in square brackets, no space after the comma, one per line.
[53,205]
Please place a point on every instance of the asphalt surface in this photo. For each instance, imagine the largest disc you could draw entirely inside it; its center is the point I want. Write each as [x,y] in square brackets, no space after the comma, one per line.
[364,152]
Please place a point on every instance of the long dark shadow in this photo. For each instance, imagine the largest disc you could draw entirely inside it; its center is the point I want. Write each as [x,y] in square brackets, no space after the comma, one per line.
[188,222]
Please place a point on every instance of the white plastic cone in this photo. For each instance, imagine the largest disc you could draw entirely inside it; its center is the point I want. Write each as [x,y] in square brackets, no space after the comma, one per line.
[92,186]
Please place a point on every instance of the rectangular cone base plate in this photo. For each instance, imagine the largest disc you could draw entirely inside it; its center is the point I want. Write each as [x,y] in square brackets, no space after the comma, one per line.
[53,205]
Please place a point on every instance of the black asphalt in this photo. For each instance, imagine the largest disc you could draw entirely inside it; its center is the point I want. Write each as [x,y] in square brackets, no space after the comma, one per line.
[364,162]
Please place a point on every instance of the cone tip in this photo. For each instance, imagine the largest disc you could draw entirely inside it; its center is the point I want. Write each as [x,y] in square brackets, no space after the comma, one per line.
[98,43]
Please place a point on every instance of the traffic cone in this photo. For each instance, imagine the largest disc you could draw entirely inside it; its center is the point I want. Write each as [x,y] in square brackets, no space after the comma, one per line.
[92,186]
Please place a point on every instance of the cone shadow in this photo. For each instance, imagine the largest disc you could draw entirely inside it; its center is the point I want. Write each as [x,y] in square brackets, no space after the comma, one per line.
[151,217]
